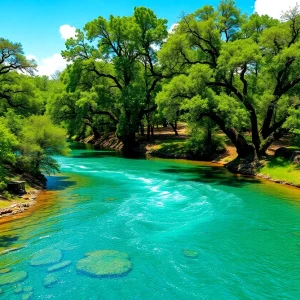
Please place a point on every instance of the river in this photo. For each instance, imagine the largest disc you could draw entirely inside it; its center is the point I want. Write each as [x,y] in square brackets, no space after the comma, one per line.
[191,231]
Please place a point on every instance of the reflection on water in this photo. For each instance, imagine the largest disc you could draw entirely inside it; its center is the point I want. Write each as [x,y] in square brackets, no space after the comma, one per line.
[190,230]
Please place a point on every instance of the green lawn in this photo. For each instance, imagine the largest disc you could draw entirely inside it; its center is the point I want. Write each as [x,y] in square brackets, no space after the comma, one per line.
[282,169]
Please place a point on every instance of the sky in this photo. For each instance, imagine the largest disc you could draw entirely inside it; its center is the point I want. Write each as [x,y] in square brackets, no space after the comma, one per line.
[42,26]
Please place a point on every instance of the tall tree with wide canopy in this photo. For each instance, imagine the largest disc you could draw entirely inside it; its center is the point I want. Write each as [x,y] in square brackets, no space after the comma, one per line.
[122,50]
[15,88]
[239,71]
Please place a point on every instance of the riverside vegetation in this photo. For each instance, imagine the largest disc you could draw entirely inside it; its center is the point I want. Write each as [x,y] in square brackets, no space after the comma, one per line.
[218,70]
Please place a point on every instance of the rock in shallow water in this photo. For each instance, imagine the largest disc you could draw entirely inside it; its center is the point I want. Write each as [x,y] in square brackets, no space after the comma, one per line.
[104,263]
[28,289]
[18,289]
[27,296]
[46,257]
[3,271]
[190,253]
[50,280]
[12,277]
[59,266]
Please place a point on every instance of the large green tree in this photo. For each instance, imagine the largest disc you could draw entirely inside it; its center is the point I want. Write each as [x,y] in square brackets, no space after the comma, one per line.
[16,90]
[241,72]
[122,50]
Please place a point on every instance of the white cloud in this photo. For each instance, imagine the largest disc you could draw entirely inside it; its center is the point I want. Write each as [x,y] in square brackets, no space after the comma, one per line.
[274,8]
[48,66]
[173,27]
[67,31]
[32,57]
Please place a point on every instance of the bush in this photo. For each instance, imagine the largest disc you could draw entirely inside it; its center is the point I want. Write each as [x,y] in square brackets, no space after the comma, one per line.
[3,186]
[203,145]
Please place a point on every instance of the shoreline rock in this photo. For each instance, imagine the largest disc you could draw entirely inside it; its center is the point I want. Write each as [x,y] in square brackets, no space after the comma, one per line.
[17,208]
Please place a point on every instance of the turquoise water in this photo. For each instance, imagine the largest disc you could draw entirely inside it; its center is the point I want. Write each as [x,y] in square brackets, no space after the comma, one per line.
[244,231]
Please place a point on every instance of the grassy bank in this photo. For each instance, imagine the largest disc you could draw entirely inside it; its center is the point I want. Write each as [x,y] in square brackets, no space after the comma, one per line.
[280,169]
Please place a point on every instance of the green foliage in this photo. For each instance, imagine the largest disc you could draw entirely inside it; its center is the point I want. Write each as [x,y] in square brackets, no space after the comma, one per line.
[242,72]
[115,64]
[40,141]
[8,142]
[204,144]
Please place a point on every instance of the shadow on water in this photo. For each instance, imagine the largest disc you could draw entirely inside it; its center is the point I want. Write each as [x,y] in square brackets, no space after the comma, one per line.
[7,240]
[214,175]
[58,183]
[97,154]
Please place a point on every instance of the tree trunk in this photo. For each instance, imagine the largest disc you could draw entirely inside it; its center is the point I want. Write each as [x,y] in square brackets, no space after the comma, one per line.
[174,127]
[129,142]
[152,131]
[148,132]
[96,133]
[244,150]
[142,129]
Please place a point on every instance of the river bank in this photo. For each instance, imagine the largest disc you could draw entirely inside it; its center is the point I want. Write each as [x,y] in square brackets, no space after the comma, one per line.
[18,204]
[165,144]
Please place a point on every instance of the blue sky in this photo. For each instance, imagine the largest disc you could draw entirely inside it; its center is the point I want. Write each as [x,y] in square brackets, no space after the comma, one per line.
[36,23]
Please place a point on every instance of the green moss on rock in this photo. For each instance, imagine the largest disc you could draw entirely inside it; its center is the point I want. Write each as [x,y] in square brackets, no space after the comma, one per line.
[46,257]
[13,277]
[3,271]
[50,280]
[18,289]
[190,253]
[59,266]
[28,289]
[104,263]
[27,296]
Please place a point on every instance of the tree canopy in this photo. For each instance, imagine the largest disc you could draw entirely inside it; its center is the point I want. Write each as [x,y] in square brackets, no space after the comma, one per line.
[241,72]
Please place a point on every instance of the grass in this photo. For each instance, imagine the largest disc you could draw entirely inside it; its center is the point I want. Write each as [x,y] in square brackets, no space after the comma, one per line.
[282,169]
[174,148]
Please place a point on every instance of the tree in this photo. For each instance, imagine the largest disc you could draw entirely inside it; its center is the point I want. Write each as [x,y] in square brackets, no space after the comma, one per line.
[40,140]
[15,89]
[125,56]
[239,71]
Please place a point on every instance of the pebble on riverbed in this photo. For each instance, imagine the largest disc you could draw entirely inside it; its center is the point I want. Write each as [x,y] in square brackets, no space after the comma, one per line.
[50,280]
[27,296]
[13,277]
[46,257]
[190,253]
[59,266]
[104,263]
[4,271]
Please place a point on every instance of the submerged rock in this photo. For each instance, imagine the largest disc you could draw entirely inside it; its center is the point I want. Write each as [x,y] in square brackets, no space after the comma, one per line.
[190,253]
[50,280]
[4,271]
[18,289]
[296,233]
[27,296]
[104,263]
[68,247]
[46,257]
[110,199]
[59,266]
[1,291]
[13,277]
[28,289]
